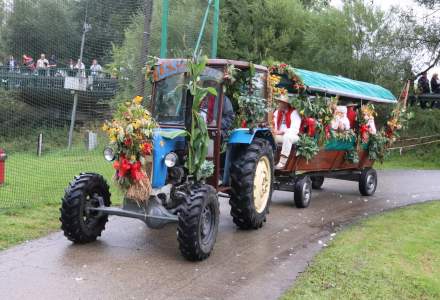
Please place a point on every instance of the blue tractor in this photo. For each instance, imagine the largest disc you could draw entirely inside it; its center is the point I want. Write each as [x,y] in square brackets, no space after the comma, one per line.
[243,168]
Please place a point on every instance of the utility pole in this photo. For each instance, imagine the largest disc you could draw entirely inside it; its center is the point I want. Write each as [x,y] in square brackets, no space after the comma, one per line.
[86,27]
[164,33]
[148,12]
[214,36]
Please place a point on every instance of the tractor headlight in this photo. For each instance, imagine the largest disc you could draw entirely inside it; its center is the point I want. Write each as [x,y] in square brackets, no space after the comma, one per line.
[109,154]
[170,159]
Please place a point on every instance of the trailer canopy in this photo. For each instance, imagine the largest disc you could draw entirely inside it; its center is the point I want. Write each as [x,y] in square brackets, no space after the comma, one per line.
[338,85]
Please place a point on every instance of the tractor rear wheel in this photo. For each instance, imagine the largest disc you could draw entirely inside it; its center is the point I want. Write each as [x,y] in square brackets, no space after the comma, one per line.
[81,225]
[251,181]
[198,223]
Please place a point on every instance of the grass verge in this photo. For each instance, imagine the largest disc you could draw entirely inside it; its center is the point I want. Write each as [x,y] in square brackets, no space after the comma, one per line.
[422,158]
[30,198]
[395,255]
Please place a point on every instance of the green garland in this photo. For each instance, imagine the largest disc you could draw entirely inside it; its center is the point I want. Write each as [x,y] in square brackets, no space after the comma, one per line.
[240,88]
[352,156]
[377,146]
[306,147]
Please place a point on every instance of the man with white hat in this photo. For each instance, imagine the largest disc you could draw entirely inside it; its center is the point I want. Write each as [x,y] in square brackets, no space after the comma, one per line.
[287,123]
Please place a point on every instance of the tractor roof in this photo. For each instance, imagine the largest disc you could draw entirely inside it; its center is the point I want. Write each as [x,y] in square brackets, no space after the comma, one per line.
[168,67]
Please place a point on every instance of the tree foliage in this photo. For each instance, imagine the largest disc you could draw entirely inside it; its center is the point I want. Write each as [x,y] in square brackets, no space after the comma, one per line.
[42,26]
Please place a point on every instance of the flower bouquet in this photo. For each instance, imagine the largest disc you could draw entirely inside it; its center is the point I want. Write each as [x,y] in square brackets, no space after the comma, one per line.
[130,134]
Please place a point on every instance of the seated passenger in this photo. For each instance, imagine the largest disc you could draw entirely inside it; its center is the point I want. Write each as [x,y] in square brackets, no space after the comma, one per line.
[368,115]
[286,124]
[340,122]
[352,114]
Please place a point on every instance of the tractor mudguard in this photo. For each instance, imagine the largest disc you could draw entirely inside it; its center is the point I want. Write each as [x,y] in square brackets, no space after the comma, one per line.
[244,136]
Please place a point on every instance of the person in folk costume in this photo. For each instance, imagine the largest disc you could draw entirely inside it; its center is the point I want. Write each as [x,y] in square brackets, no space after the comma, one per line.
[368,115]
[352,114]
[340,121]
[287,123]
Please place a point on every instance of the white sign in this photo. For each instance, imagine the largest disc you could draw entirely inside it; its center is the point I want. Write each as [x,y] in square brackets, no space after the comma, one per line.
[75,83]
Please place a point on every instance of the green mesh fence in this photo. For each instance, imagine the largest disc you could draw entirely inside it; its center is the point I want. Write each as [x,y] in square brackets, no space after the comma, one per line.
[37,93]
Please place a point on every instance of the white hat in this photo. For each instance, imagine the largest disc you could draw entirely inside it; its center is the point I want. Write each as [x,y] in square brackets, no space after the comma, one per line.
[341,109]
[282,98]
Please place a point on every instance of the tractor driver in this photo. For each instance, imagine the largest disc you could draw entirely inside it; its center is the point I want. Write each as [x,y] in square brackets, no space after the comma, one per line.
[287,123]
[209,108]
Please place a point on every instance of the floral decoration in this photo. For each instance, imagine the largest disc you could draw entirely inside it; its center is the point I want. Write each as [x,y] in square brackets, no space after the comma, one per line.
[130,133]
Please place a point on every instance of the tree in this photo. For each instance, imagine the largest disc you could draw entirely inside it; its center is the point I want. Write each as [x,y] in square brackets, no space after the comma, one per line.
[108,20]
[42,26]
[261,29]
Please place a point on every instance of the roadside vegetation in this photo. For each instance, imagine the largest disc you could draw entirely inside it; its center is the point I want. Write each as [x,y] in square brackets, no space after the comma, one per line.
[424,157]
[395,255]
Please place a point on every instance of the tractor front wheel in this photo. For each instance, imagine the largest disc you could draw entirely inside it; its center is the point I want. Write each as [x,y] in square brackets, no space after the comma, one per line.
[198,223]
[79,223]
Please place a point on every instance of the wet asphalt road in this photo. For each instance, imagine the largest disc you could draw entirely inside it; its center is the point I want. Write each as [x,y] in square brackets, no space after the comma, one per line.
[131,261]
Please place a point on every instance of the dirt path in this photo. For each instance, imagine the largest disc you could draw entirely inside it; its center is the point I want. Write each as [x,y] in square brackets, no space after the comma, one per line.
[131,261]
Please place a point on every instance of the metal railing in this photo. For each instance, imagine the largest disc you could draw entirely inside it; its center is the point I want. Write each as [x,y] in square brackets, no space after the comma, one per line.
[52,72]
[53,78]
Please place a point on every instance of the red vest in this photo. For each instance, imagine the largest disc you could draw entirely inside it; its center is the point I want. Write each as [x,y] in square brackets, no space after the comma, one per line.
[280,118]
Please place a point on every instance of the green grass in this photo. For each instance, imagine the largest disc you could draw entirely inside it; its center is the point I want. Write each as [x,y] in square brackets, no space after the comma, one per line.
[36,180]
[19,225]
[422,158]
[30,199]
[391,256]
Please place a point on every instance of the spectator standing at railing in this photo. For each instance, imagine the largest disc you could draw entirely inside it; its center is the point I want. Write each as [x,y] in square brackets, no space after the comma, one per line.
[11,64]
[435,88]
[423,84]
[435,85]
[95,69]
[28,62]
[71,68]
[52,65]
[80,68]
[42,65]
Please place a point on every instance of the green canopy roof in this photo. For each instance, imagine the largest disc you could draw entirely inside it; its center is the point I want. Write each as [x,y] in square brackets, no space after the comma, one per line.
[338,85]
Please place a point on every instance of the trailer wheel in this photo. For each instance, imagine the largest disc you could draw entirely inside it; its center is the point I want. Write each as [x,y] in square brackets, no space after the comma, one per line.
[251,182]
[78,223]
[303,192]
[317,182]
[198,223]
[368,182]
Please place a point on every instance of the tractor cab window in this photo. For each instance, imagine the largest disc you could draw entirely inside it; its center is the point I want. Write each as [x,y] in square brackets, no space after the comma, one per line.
[259,83]
[169,100]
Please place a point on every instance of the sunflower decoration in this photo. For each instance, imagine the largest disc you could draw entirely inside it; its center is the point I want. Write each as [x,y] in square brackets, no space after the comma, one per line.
[283,69]
[130,135]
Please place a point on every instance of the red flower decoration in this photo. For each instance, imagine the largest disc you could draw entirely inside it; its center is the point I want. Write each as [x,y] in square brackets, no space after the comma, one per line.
[364,132]
[128,142]
[136,172]
[146,148]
